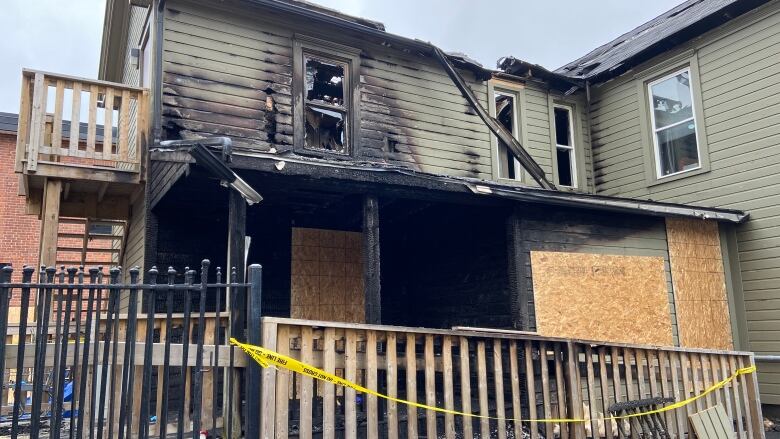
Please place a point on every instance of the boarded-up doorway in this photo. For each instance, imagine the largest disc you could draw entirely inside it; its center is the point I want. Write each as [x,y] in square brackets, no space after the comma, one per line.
[327,275]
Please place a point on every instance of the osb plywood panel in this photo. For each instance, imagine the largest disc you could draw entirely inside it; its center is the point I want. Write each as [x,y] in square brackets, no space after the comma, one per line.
[699,283]
[601,297]
[327,275]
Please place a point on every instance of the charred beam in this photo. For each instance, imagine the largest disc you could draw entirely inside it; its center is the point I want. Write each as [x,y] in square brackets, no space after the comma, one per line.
[371,258]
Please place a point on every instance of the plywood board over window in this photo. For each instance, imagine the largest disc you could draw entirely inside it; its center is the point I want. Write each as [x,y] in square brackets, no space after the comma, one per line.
[327,275]
[699,283]
[601,297]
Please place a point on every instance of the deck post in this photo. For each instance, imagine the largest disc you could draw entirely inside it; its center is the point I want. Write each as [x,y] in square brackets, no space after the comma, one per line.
[237,323]
[50,219]
[371,259]
[254,337]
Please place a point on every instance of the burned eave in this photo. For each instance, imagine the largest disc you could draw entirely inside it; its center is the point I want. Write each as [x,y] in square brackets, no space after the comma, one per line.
[370,176]
[518,69]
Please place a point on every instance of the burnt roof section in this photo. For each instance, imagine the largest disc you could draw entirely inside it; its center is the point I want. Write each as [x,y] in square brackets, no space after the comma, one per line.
[517,68]
[672,28]
[370,30]
[10,121]
[390,175]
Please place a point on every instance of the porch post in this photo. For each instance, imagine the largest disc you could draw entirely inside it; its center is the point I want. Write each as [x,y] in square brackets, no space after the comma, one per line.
[371,254]
[236,258]
[50,219]
[254,337]
[518,300]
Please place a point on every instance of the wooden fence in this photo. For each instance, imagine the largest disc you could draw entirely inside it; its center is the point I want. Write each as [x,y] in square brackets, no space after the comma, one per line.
[508,375]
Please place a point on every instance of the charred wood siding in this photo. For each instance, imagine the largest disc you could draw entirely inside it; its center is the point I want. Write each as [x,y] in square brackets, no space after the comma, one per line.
[569,231]
[230,74]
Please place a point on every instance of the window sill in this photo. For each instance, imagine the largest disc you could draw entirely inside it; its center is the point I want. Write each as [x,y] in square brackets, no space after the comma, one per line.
[681,175]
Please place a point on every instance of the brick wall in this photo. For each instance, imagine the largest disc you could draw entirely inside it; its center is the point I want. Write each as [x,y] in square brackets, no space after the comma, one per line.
[19,237]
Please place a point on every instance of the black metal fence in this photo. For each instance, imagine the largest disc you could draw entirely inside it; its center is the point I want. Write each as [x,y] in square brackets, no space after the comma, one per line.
[91,355]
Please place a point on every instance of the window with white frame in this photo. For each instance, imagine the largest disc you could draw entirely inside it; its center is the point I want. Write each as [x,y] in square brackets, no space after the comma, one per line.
[507,112]
[564,146]
[674,125]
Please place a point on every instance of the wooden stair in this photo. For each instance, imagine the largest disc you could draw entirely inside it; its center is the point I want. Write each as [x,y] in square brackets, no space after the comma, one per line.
[84,242]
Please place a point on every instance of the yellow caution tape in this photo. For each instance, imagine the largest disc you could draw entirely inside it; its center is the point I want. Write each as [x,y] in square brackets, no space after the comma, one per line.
[266,358]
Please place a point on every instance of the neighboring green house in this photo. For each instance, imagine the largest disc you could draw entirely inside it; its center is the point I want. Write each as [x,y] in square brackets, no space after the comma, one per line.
[686,109]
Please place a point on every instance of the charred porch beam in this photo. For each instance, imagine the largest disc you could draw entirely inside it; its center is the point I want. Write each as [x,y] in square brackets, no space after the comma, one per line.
[236,258]
[516,259]
[371,257]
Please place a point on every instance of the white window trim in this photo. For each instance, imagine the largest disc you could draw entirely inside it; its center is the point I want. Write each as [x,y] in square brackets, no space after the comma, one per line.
[497,91]
[572,151]
[654,130]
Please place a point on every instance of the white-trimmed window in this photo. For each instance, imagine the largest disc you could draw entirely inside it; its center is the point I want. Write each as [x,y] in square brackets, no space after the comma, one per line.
[673,124]
[565,155]
[507,114]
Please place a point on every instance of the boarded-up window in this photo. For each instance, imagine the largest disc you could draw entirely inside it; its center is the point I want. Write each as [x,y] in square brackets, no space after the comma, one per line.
[327,275]
[601,297]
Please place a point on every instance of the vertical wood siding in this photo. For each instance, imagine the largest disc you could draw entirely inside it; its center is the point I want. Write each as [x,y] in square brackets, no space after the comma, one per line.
[739,67]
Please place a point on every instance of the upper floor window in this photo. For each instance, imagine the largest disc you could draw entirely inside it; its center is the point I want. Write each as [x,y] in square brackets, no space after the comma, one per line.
[507,112]
[325,106]
[564,146]
[674,124]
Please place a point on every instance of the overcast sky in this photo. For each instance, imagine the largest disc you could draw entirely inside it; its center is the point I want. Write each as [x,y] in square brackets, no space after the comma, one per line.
[64,37]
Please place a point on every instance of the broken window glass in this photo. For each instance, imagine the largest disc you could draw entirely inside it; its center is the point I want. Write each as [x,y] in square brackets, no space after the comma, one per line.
[564,146]
[674,125]
[324,81]
[325,129]
[506,114]
[325,105]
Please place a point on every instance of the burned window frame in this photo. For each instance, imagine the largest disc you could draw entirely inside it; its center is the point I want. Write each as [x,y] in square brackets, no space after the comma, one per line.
[579,177]
[517,91]
[303,47]
[571,148]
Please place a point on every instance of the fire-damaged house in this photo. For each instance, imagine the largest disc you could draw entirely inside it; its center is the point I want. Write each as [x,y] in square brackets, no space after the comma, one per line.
[376,179]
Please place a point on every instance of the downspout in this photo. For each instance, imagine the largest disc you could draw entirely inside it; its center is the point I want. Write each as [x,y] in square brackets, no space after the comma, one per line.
[505,136]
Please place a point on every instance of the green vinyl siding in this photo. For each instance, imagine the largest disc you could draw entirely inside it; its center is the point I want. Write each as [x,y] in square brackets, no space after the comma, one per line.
[739,81]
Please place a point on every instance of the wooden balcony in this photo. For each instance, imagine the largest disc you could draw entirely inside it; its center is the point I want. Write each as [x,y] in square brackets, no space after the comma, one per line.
[53,141]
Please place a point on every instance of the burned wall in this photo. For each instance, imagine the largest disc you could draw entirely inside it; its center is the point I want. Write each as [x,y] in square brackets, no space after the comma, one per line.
[229,72]
[444,265]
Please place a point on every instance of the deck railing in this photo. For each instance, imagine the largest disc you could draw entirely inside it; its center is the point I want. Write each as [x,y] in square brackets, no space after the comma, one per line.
[50,131]
[508,375]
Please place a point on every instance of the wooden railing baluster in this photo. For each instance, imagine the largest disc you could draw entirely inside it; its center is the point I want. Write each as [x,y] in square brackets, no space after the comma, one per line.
[498,377]
[108,125]
[75,117]
[56,134]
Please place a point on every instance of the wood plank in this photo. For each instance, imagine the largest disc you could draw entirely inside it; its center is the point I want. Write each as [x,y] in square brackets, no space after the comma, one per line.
[697,380]
[372,406]
[50,216]
[92,120]
[465,386]
[281,417]
[738,401]
[663,362]
[750,397]
[23,124]
[707,380]
[640,373]
[561,391]
[449,396]
[267,409]
[651,374]
[544,370]
[391,369]
[727,389]
[604,382]
[529,377]
[160,387]
[37,121]
[123,142]
[59,96]
[430,386]
[687,387]
[350,374]
[484,423]
[108,125]
[329,391]
[498,377]
[628,359]
[208,381]
[411,385]
[307,393]
[574,393]
[592,396]
[75,120]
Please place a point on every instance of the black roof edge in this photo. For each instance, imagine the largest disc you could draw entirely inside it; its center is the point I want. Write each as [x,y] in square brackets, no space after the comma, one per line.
[364,172]
[717,18]
[518,68]
[413,44]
